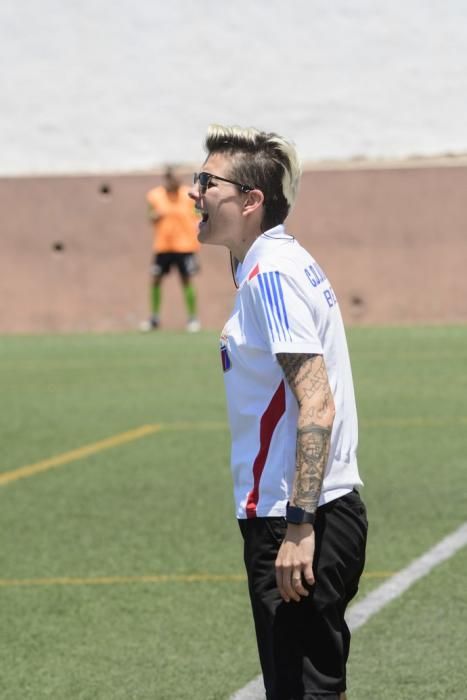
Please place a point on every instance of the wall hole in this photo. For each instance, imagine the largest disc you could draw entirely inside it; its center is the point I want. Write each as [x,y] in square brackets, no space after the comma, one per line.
[105,189]
[356,300]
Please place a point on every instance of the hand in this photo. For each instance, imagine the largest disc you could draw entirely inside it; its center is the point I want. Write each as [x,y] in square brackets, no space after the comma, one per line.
[294,562]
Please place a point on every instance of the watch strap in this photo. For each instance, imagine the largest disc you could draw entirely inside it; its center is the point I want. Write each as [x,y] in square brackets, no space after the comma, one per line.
[297,516]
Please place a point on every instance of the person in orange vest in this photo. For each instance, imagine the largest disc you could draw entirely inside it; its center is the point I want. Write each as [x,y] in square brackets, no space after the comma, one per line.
[175,222]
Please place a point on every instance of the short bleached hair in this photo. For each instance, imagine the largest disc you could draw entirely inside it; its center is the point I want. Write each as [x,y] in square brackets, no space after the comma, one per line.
[265,161]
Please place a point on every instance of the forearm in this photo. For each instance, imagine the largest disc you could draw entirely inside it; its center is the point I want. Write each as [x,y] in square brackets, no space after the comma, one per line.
[313,441]
[308,380]
[153,214]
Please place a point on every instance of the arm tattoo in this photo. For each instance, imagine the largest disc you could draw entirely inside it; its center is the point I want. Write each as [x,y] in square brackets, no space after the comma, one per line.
[307,377]
[312,456]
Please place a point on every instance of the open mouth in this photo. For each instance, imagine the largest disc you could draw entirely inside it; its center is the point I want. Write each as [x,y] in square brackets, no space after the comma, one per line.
[204,216]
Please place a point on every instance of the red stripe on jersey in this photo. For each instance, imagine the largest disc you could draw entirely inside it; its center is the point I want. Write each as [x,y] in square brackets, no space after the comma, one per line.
[269,421]
[253,272]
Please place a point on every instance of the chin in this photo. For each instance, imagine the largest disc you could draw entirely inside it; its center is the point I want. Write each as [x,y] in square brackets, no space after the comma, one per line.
[204,237]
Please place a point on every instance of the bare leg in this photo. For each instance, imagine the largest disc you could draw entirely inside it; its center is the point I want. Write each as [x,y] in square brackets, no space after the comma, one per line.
[343,696]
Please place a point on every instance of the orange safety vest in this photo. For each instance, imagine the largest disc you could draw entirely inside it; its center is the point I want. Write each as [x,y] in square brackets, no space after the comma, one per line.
[177,229]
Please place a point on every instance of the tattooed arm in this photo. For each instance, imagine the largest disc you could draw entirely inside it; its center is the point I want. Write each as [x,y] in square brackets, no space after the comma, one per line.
[307,377]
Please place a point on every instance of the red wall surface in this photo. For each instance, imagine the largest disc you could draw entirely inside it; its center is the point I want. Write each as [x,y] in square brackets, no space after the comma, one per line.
[75,256]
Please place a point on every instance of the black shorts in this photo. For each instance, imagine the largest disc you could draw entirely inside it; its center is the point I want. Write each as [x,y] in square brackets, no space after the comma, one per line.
[187,264]
[304,646]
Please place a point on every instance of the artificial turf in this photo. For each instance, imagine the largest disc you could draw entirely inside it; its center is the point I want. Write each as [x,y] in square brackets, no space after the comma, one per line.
[79,618]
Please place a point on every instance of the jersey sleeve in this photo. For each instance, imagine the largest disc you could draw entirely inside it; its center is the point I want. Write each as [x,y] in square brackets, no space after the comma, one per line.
[283,313]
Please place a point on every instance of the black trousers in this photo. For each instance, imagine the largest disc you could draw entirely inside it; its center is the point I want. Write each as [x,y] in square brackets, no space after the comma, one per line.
[303,647]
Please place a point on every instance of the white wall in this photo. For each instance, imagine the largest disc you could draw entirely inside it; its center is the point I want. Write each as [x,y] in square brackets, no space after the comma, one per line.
[90,85]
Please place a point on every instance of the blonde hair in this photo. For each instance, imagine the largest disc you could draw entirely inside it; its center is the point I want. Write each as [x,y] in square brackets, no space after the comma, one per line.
[265,161]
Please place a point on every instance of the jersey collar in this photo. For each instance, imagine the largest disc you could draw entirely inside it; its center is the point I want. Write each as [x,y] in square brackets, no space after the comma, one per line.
[256,250]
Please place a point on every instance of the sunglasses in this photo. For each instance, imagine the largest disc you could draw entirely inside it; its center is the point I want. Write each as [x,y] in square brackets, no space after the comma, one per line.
[204,181]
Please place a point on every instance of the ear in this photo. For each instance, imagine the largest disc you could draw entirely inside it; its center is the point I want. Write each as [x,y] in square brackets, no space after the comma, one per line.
[254,201]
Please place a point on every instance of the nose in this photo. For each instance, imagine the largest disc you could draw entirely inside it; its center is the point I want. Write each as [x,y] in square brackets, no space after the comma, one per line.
[194,192]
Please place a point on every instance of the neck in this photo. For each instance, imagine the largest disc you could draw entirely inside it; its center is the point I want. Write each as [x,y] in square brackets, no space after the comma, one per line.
[240,248]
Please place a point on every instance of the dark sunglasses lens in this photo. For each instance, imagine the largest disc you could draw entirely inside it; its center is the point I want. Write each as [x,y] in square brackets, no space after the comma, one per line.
[204,179]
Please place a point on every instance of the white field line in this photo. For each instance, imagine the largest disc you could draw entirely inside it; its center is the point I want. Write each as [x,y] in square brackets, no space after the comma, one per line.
[359,613]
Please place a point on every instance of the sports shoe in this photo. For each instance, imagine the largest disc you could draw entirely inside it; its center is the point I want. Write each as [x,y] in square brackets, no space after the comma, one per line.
[193,325]
[151,325]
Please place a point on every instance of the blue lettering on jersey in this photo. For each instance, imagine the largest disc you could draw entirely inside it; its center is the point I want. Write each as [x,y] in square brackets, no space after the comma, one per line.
[316,277]
[274,305]
[315,274]
[330,297]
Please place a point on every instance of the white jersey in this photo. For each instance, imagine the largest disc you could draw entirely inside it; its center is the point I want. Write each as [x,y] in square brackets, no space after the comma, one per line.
[284,304]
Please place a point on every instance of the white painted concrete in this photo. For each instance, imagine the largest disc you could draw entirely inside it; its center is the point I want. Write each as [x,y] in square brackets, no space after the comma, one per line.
[103,85]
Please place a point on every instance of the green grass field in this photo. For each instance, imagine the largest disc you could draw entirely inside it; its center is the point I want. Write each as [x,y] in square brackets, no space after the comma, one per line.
[121,572]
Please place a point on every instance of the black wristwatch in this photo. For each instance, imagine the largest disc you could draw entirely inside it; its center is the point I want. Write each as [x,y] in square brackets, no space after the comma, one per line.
[298,516]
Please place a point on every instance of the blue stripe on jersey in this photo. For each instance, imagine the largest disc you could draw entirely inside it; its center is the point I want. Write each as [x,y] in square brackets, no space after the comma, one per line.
[272,308]
[281,295]
[277,290]
[277,312]
[274,305]
[263,294]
